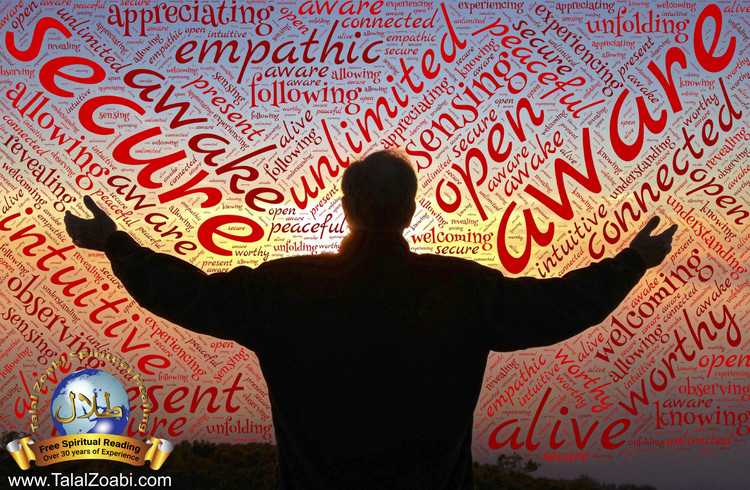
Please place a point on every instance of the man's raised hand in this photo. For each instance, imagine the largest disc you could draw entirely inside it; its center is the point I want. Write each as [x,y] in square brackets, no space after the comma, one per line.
[653,249]
[90,233]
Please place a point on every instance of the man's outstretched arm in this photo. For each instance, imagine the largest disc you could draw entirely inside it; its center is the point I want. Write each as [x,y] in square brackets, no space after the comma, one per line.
[534,312]
[212,304]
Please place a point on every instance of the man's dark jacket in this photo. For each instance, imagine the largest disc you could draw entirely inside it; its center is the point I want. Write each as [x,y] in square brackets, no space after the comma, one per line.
[374,356]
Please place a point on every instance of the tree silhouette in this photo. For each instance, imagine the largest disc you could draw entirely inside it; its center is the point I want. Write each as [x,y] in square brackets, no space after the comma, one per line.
[201,464]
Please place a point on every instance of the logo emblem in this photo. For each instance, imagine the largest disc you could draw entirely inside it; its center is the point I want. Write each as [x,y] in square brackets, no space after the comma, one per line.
[90,408]
[90,401]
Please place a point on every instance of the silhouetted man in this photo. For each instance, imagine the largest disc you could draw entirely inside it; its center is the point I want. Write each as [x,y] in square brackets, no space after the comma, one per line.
[374,356]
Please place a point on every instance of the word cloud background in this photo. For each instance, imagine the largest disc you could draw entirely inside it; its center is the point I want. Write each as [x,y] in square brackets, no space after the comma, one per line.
[544,135]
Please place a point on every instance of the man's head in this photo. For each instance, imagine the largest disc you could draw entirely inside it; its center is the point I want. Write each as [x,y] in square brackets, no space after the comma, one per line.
[379,192]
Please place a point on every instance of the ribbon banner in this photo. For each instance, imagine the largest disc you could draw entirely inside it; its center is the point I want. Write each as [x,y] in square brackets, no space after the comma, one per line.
[90,446]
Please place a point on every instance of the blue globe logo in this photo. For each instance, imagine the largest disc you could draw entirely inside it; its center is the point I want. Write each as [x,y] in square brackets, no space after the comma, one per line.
[90,401]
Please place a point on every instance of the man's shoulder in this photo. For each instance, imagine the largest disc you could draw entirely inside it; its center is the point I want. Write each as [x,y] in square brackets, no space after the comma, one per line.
[449,263]
[300,262]
[430,264]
